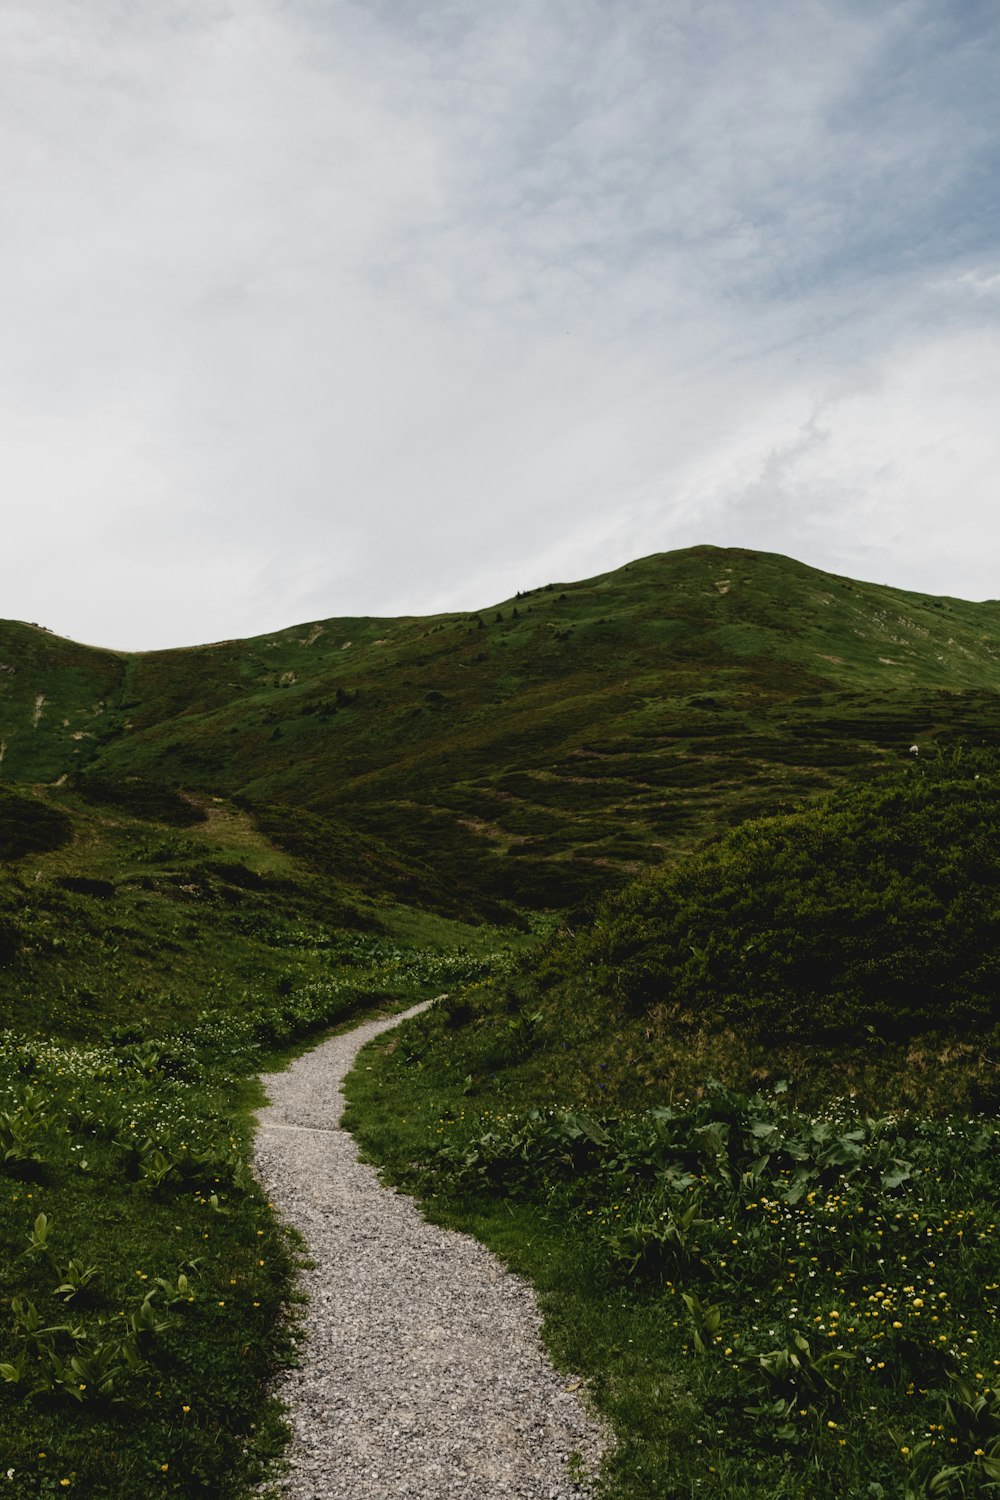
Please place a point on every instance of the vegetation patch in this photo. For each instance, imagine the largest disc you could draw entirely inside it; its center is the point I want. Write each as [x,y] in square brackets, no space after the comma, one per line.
[140,1262]
[149,800]
[30,826]
[764,1301]
[784,1283]
[876,911]
[146,1278]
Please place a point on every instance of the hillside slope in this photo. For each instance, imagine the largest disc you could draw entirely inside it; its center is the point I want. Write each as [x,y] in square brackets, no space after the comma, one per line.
[547,746]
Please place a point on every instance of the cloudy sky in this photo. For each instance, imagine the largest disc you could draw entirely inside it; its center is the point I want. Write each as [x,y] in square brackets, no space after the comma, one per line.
[314,308]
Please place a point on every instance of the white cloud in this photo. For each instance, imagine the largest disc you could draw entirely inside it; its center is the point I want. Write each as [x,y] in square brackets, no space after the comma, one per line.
[315,309]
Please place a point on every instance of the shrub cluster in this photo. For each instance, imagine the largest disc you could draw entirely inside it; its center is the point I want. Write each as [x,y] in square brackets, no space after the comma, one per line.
[30,826]
[876,911]
[148,800]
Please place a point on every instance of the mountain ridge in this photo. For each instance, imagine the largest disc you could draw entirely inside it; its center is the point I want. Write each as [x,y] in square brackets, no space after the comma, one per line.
[543,746]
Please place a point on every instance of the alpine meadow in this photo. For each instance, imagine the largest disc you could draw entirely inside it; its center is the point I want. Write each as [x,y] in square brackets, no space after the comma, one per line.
[698,860]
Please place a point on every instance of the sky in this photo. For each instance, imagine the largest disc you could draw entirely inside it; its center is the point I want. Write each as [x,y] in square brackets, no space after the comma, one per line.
[314,309]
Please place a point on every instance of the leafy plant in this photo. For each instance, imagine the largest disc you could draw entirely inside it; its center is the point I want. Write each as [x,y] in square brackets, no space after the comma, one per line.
[77,1280]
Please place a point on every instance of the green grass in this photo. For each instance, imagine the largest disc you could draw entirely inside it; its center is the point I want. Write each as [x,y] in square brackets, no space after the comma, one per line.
[196,1258]
[149,972]
[148,1372]
[849,947]
[130,921]
[764,1302]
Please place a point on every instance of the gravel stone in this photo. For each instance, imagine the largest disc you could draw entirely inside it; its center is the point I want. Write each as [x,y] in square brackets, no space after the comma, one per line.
[423,1376]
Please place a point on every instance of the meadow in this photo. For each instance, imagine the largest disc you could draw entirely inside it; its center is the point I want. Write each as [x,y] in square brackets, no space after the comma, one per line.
[702,854]
[763,1302]
[148,1288]
[148,1280]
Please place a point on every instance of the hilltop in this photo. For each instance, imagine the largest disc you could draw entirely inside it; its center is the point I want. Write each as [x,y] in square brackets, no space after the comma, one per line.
[545,747]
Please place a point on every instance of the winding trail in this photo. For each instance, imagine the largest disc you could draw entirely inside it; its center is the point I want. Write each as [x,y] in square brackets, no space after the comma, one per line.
[422,1373]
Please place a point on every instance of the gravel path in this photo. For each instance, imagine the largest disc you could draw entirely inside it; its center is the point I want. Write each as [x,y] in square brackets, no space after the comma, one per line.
[422,1375]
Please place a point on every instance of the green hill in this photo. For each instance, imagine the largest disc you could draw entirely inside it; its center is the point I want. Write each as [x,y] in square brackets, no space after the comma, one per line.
[740,1132]
[548,746]
[207,854]
[851,947]
[117,918]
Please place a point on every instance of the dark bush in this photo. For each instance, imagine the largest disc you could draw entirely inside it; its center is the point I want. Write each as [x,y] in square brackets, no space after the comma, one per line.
[544,884]
[246,879]
[86,885]
[875,912]
[30,826]
[146,800]
[10,939]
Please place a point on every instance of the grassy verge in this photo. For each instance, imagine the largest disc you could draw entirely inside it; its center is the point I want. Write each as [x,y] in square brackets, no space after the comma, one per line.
[146,1280]
[766,1302]
[146,1267]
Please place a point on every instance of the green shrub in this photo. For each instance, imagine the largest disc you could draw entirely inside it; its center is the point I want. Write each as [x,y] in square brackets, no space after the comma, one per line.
[10,939]
[30,826]
[148,800]
[86,885]
[876,911]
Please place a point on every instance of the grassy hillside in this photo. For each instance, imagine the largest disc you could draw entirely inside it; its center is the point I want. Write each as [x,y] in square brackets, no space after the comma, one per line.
[850,947]
[208,854]
[113,917]
[741,1134]
[548,746]
[155,950]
